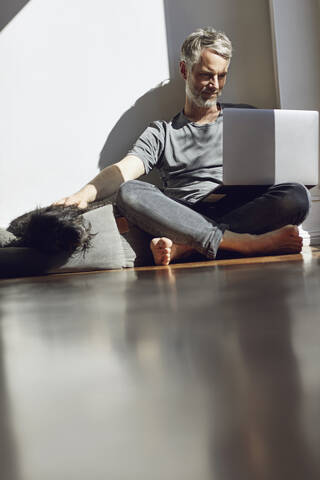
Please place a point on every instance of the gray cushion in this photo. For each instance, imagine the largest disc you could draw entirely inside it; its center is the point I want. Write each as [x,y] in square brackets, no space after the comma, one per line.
[106,249]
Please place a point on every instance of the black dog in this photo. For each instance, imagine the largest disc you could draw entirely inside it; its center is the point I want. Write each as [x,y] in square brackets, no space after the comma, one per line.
[54,229]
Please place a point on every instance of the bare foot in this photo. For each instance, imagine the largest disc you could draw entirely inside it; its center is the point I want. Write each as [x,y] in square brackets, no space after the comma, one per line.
[281,241]
[164,251]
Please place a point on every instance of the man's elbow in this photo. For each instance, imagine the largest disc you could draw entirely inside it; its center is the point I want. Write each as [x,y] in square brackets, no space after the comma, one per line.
[130,168]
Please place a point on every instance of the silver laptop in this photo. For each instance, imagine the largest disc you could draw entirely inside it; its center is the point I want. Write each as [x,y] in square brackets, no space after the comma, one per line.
[263,147]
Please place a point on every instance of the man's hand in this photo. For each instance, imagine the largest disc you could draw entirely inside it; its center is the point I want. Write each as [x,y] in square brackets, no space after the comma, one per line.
[81,199]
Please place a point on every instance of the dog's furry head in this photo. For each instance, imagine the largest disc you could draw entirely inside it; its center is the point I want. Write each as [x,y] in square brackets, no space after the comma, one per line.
[53,229]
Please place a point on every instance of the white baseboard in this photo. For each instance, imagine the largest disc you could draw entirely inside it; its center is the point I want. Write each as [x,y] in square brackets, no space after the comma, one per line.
[310,238]
[306,236]
[310,230]
[314,238]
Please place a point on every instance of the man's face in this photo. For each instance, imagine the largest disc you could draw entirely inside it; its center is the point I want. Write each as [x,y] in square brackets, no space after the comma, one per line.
[205,82]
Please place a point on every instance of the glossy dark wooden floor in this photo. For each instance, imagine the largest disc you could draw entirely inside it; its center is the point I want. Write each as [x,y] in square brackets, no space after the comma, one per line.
[201,371]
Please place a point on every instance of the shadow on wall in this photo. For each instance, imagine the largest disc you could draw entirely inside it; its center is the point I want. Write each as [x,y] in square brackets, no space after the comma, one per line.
[9,9]
[160,103]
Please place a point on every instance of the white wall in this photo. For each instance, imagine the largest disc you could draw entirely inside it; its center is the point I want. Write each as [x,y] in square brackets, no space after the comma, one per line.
[297,59]
[80,80]
[297,42]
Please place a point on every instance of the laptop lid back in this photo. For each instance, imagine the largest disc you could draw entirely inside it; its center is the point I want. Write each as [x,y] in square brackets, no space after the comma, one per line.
[263,147]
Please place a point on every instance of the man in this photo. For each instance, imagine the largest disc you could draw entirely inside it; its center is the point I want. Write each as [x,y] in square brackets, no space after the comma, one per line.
[194,212]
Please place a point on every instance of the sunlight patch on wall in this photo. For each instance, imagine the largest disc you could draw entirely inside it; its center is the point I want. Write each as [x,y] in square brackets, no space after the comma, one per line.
[70,70]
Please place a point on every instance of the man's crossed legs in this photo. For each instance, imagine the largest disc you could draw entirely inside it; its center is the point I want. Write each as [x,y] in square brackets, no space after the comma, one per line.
[251,221]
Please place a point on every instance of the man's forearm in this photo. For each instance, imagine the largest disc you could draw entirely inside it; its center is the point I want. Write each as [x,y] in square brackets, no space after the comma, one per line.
[106,183]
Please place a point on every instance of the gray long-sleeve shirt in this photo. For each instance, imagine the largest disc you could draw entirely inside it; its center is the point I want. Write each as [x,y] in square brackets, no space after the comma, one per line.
[188,155]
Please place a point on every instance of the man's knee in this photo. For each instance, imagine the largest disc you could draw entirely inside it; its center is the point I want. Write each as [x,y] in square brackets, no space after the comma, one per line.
[127,193]
[297,200]
[133,193]
[303,200]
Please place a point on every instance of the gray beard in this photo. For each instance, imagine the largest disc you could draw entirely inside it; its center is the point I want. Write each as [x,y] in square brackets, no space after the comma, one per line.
[196,98]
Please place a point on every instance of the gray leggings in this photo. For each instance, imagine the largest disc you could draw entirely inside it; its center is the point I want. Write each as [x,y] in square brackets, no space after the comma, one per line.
[252,210]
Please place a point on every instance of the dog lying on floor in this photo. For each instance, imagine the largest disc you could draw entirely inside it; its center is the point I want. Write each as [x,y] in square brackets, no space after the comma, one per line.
[52,229]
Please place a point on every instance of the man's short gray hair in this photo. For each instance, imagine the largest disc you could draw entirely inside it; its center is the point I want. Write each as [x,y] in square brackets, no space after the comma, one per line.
[205,38]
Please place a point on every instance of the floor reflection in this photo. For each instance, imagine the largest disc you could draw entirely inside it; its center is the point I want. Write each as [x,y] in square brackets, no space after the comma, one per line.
[237,349]
[9,458]
[195,373]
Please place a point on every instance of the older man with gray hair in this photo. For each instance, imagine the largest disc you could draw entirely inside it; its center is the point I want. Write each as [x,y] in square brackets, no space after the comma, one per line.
[193,212]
